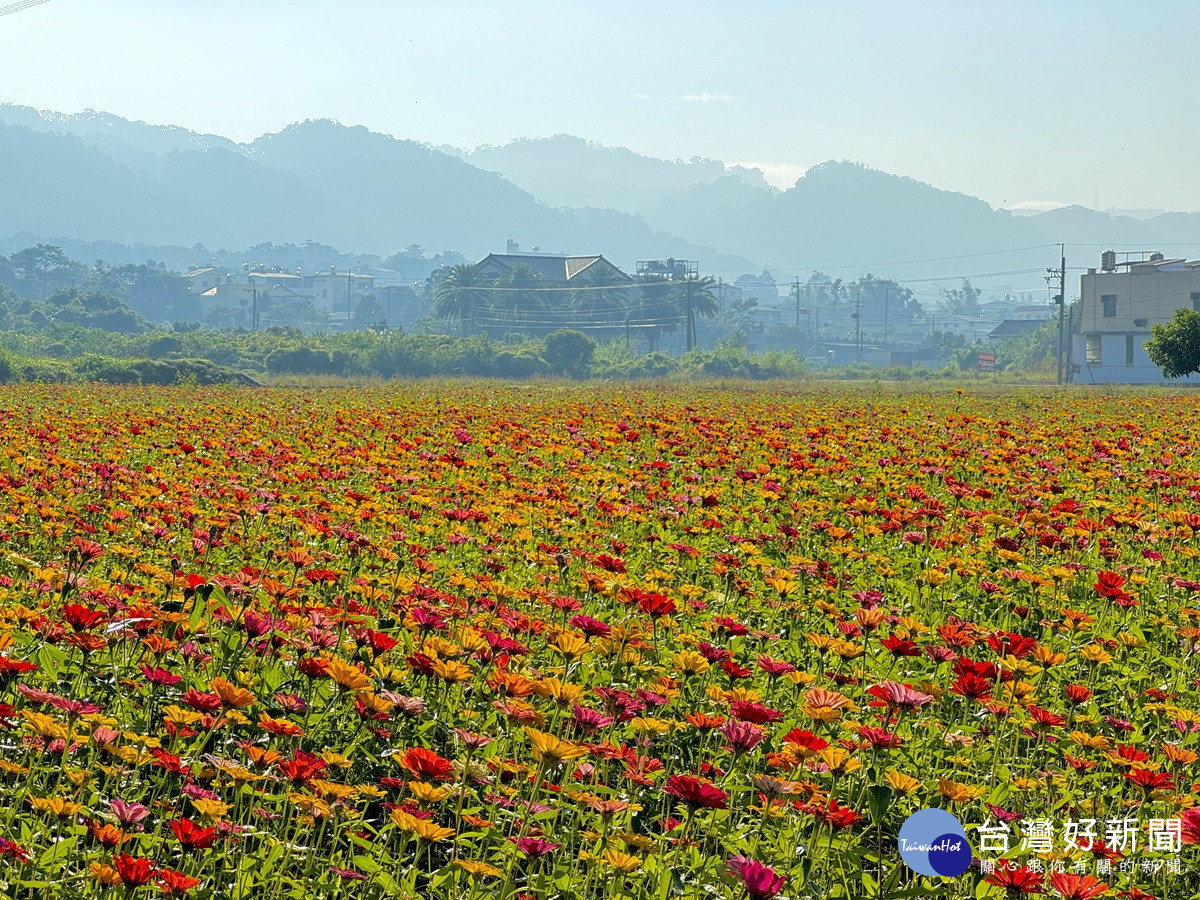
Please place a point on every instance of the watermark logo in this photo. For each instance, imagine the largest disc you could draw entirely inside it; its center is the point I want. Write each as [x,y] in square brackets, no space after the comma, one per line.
[933,842]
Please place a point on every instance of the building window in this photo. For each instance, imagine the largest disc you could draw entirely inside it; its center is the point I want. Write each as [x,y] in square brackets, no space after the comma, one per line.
[1140,323]
[1092,350]
[1129,349]
[1109,302]
[1196,300]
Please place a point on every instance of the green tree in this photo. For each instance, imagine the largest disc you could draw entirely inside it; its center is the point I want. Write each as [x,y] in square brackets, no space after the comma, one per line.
[962,301]
[41,270]
[693,296]
[568,352]
[518,296]
[606,299]
[1174,346]
[462,295]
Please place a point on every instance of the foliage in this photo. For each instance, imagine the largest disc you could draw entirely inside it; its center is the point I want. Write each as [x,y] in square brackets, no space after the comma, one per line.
[1174,346]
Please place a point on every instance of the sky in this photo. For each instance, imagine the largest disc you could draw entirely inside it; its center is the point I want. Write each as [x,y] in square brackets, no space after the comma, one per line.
[1027,105]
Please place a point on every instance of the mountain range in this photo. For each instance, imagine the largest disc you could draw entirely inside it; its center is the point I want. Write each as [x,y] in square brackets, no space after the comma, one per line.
[97,177]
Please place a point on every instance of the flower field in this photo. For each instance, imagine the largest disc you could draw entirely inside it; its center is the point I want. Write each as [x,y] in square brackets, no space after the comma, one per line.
[457,641]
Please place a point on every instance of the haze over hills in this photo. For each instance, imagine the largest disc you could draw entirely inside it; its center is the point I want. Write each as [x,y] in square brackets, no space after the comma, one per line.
[95,176]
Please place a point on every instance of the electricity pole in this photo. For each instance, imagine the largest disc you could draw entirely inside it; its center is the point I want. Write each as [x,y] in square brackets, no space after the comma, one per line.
[858,324]
[691,330]
[1060,298]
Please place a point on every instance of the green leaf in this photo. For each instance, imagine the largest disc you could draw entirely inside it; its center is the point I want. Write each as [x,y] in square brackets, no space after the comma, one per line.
[58,850]
[878,800]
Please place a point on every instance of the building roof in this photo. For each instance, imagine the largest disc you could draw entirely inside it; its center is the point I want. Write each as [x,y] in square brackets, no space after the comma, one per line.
[1010,327]
[550,266]
[202,270]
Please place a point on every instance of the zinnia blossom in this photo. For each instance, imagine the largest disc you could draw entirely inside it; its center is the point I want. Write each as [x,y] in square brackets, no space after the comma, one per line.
[761,881]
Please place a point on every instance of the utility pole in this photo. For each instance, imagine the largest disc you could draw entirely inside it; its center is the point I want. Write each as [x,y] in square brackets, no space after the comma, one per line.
[858,324]
[1060,298]
[691,333]
[887,291]
[796,289]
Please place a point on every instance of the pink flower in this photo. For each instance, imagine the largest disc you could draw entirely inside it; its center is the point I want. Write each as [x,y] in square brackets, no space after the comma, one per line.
[900,695]
[534,846]
[129,813]
[743,736]
[760,880]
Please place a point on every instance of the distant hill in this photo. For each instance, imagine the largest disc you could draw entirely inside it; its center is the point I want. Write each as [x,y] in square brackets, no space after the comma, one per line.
[97,177]
[569,171]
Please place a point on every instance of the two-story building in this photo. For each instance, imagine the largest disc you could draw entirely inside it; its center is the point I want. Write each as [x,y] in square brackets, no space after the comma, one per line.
[1118,305]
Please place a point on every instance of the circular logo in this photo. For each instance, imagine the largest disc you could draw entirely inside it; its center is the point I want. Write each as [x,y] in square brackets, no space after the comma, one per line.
[933,842]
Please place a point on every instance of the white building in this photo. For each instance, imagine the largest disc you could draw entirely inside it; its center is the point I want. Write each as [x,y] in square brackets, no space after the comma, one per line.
[1118,306]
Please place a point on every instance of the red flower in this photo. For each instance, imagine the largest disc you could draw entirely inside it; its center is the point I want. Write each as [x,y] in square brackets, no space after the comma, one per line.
[192,836]
[696,792]
[754,712]
[972,687]
[80,618]
[201,702]
[1077,694]
[1005,643]
[173,882]
[1150,781]
[425,764]
[303,768]
[1077,887]
[656,605]
[1014,880]
[898,646]
[133,871]
[1191,825]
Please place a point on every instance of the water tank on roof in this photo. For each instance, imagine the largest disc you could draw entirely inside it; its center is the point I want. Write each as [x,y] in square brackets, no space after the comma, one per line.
[1108,260]
[1156,257]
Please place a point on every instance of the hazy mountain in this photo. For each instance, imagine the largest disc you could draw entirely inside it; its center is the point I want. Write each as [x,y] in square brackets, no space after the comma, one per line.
[98,177]
[569,171]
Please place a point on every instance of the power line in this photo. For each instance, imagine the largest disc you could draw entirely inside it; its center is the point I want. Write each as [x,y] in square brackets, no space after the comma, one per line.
[20,7]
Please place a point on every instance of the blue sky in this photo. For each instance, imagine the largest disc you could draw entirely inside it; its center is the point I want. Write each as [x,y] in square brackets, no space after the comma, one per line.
[1020,103]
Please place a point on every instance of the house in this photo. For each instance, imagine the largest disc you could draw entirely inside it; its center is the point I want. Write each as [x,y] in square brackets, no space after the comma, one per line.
[1013,327]
[337,293]
[554,269]
[204,278]
[1118,306]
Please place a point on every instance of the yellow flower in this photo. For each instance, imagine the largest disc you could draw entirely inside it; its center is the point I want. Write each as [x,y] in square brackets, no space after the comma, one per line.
[346,676]
[181,716]
[622,862]
[1095,653]
[451,671]
[648,725]
[691,663]
[56,806]
[958,793]
[549,749]
[432,832]
[231,695]
[427,793]
[840,761]
[210,809]
[106,875]
[901,783]
[477,869]
[571,644]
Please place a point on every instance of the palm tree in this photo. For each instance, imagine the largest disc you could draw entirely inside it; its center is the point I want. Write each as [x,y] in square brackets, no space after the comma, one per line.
[606,299]
[518,295]
[694,296]
[653,310]
[462,295]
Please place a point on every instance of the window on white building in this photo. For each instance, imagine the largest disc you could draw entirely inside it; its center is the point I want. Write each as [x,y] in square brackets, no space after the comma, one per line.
[1109,302]
[1092,350]
[1196,300]
[1129,349]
